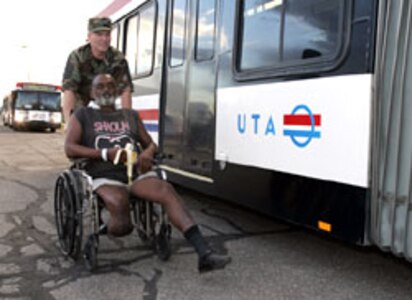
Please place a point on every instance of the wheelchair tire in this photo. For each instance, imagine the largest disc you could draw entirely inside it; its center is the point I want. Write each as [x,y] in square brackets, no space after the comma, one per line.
[152,227]
[64,211]
[162,245]
[90,252]
[67,210]
[139,217]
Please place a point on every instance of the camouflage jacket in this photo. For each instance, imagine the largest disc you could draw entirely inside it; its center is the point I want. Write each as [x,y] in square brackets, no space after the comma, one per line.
[82,67]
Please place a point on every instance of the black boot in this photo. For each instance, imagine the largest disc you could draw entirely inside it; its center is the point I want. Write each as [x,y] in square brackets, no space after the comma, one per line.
[208,260]
[213,261]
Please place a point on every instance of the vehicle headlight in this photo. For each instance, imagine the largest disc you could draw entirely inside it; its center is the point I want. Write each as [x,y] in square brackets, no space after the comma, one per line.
[20,116]
[56,118]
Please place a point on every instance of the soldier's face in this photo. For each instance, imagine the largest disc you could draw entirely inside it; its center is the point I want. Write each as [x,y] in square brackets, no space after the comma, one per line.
[100,40]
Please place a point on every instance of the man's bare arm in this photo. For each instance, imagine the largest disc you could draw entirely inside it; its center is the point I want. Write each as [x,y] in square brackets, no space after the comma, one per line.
[72,144]
[126,98]
[69,102]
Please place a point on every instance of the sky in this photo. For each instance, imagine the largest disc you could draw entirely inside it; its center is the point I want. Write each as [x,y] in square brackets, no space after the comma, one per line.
[38,35]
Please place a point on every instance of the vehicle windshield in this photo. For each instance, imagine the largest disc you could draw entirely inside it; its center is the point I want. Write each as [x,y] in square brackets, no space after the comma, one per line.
[38,101]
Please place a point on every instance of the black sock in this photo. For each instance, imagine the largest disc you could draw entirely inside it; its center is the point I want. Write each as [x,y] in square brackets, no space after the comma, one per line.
[195,237]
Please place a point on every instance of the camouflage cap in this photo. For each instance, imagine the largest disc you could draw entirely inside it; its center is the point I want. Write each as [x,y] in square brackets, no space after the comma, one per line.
[99,24]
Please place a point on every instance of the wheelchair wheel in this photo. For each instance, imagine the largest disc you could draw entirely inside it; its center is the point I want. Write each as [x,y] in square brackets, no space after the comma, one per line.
[158,230]
[152,227]
[162,245]
[139,217]
[90,252]
[67,210]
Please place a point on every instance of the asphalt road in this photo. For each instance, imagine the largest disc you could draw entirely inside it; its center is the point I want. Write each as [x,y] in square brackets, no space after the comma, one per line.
[271,259]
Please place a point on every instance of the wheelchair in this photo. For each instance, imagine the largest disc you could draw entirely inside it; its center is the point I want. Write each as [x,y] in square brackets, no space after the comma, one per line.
[78,210]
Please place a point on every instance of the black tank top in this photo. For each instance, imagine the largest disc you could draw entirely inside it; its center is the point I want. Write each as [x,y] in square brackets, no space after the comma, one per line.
[107,130]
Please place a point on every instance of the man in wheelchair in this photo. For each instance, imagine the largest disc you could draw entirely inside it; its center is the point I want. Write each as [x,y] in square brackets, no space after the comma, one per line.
[97,134]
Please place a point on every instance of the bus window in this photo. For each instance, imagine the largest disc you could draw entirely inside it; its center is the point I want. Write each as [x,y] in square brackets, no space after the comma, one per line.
[145,44]
[115,36]
[205,29]
[131,44]
[178,32]
[316,23]
[50,101]
[37,100]
[27,100]
[260,46]
[278,34]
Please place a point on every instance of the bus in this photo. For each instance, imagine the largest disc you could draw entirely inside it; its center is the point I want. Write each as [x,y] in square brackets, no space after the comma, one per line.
[6,111]
[298,109]
[33,106]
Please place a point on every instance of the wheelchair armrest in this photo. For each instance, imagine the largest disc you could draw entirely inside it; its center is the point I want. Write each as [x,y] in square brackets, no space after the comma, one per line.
[79,163]
[158,158]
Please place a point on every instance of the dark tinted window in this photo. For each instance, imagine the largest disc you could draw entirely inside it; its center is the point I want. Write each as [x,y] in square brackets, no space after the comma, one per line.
[37,100]
[145,46]
[131,43]
[261,35]
[316,23]
[115,36]
[178,32]
[282,33]
[50,101]
[26,99]
[205,29]
[140,34]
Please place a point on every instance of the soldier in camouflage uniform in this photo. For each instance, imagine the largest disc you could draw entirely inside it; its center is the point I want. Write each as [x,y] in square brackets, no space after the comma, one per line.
[96,57]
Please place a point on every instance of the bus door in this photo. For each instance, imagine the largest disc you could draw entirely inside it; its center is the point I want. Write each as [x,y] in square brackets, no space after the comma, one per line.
[189,95]
[142,35]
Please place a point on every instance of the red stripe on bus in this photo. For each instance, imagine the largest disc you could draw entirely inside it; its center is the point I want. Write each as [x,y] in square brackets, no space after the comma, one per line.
[301,120]
[149,114]
[113,7]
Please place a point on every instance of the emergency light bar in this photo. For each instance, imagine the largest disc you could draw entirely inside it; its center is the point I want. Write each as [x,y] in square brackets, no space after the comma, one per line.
[32,86]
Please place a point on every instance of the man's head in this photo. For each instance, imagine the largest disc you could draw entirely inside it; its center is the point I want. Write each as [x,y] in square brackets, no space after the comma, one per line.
[104,90]
[99,35]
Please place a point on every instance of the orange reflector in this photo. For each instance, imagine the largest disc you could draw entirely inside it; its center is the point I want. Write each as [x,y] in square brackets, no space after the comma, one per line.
[324,226]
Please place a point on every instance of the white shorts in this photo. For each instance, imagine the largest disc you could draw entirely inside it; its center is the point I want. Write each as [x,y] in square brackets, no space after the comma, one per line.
[98,182]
